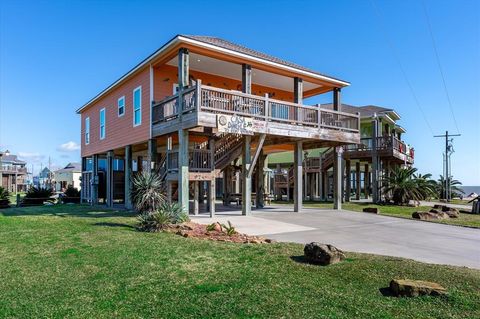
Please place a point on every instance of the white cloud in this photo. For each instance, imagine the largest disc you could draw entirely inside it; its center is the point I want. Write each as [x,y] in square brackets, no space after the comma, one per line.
[68,147]
[31,157]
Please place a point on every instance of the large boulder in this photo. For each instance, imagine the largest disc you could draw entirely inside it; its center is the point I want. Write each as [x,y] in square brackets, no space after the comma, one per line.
[415,288]
[452,212]
[373,210]
[430,215]
[322,254]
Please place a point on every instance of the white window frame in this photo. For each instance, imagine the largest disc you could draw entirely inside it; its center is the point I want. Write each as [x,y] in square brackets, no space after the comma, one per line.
[175,88]
[118,106]
[139,108]
[87,130]
[104,123]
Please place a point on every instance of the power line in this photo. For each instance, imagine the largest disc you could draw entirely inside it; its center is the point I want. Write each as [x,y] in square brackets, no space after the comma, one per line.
[392,48]
[439,64]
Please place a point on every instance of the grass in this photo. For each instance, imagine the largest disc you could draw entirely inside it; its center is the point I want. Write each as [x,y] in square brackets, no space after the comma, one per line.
[470,220]
[13,198]
[72,261]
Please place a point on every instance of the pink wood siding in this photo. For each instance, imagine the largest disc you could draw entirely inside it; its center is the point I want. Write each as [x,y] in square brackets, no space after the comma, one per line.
[119,130]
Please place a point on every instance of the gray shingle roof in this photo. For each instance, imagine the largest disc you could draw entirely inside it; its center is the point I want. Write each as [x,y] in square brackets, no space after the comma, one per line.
[242,49]
[12,159]
[71,167]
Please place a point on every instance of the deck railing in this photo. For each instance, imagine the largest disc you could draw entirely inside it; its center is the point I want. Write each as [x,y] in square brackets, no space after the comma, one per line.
[199,160]
[220,101]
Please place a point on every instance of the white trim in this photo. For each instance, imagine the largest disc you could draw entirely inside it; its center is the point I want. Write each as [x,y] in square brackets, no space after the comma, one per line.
[179,38]
[151,98]
[87,130]
[118,106]
[174,88]
[133,105]
[104,123]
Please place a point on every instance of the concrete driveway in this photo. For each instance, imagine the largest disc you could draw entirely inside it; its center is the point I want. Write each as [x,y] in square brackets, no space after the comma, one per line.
[362,232]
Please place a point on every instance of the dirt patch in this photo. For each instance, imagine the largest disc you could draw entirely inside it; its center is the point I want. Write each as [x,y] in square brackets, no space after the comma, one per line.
[214,232]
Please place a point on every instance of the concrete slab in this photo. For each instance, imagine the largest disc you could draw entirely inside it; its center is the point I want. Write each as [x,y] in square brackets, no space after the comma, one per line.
[360,232]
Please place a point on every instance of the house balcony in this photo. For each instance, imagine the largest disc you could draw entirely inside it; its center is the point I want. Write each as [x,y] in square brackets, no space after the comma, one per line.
[387,146]
[13,169]
[236,112]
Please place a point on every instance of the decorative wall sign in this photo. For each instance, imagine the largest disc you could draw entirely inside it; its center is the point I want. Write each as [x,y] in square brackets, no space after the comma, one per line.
[234,124]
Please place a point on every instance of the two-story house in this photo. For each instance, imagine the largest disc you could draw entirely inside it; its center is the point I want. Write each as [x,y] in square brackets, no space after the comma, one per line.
[364,164]
[201,107]
[13,173]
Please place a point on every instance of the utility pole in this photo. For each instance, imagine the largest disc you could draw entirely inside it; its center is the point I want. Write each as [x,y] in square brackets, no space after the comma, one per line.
[448,152]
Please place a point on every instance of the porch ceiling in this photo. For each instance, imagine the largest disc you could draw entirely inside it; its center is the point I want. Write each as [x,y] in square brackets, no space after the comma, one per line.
[230,70]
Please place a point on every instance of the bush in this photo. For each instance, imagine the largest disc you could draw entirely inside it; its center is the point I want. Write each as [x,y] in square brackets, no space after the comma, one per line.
[167,214]
[147,196]
[4,194]
[72,192]
[39,192]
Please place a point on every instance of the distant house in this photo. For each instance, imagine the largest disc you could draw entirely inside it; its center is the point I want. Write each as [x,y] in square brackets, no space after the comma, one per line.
[44,179]
[13,173]
[68,176]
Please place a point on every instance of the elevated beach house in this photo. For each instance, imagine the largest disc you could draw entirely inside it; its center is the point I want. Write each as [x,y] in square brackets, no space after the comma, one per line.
[201,107]
[364,165]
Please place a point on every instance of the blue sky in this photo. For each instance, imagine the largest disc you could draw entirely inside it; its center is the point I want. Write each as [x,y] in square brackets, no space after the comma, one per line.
[56,55]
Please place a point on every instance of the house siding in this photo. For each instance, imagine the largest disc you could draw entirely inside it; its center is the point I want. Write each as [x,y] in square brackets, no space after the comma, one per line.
[119,131]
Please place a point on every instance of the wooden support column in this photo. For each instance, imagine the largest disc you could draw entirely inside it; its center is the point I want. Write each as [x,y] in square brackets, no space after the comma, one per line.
[324,190]
[337,178]
[128,176]
[259,195]
[311,187]
[211,197]
[375,164]
[337,101]
[226,172]
[183,67]
[95,180]
[298,95]
[152,154]
[246,179]
[348,188]
[358,177]
[246,78]
[109,179]
[169,191]
[298,174]
[196,195]
[366,180]
[139,164]
[183,177]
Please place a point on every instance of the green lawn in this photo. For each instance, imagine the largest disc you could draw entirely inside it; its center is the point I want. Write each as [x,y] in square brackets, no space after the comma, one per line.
[74,261]
[471,220]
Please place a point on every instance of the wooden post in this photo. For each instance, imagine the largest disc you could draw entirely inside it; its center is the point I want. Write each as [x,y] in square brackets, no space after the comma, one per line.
[226,171]
[297,95]
[246,180]
[211,197]
[183,178]
[152,154]
[375,168]
[246,78]
[128,176]
[358,177]
[337,178]
[139,164]
[298,174]
[259,195]
[196,194]
[95,180]
[366,180]
[337,101]
[169,191]
[109,178]
[348,188]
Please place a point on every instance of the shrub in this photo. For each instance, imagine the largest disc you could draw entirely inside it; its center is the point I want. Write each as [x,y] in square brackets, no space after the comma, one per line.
[167,214]
[147,196]
[72,192]
[4,194]
[39,192]
[229,230]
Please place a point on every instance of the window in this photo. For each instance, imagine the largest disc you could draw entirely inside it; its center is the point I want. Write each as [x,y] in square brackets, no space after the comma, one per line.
[137,106]
[121,106]
[102,123]
[87,131]
[175,88]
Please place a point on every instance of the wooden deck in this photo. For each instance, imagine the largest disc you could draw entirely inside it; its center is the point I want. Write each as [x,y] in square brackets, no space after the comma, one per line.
[235,112]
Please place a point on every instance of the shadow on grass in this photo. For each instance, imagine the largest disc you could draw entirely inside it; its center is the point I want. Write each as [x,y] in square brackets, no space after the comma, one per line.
[61,210]
[106,224]
[386,292]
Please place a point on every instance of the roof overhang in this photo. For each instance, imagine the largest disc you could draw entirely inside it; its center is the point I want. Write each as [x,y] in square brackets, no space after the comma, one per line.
[177,40]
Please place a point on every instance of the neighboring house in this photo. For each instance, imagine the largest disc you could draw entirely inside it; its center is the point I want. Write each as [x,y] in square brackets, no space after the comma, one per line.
[196,106]
[44,179]
[70,175]
[365,164]
[13,173]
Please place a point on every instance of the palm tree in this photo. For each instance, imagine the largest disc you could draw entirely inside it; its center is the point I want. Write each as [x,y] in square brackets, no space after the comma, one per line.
[455,191]
[426,185]
[403,185]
